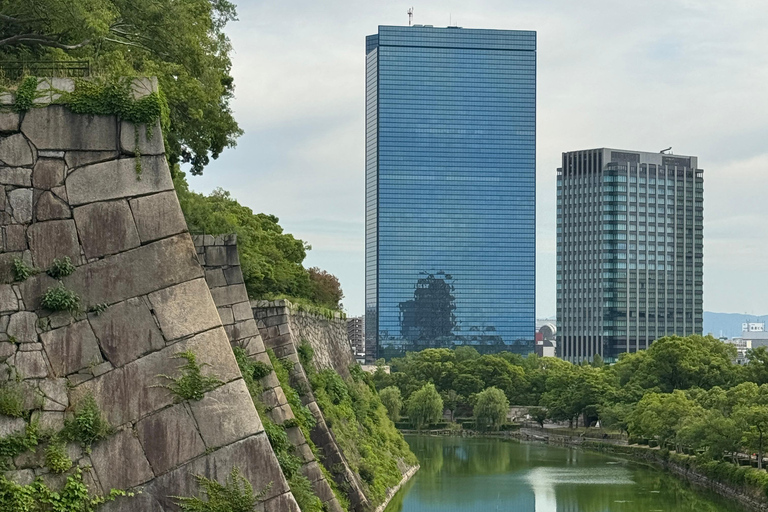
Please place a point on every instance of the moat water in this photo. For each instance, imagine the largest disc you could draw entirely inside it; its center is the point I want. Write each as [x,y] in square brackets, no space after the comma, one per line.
[487,475]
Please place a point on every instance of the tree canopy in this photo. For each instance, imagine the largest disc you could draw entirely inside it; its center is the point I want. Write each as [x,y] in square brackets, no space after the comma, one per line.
[182,43]
[271,260]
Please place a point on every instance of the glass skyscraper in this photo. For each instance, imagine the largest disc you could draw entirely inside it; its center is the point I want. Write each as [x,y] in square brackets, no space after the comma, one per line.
[629,251]
[450,189]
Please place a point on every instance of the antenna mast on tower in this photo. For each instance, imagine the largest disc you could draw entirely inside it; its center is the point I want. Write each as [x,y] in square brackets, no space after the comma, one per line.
[410,16]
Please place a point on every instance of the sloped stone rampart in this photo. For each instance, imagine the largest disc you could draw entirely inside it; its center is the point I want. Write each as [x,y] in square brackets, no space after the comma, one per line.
[69,188]
[274,319]
[219,257]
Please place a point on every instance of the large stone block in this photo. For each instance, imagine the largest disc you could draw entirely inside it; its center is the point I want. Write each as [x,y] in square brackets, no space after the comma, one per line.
[158,216]
[75,159]
[53,239]
[137,387]
[226,415]
[9,122]
[253,456]
[23,327]
[170,438]
[106,228]
[15,151]
[8,300]
[55,127]
[234,275]
[142,502]
[147,145]
[116,179]
[71,348]
[126,330]
[119,462]
[228,295]
[50,207]
[283,503]
[213,352]
[215,277]
[242,311]
[20,200]
[135,272]
[31,365]
[33,289]
[15,237]
[48,173]
[16,176]
[185,309]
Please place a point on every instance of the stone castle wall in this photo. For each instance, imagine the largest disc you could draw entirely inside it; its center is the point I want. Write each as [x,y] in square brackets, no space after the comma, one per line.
[219,257]
[69,188]
[276,323]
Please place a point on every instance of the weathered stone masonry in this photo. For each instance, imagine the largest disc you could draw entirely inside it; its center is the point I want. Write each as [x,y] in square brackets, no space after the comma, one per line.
[68,187]
[283,330]
[219,257]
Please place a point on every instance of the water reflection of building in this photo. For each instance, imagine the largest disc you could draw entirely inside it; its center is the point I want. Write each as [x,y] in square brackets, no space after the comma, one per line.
[451,186]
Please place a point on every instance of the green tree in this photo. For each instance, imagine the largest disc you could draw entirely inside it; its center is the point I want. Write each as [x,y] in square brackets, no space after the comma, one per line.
[539,415]
[754,425]
[393,401]
[183,44]
[491,409]
[325,288]
[271,260]
[425,407]
[451,401]
[660,416]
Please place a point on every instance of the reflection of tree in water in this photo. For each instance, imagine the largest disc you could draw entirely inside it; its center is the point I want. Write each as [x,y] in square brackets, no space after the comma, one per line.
[579,481]
[430,315]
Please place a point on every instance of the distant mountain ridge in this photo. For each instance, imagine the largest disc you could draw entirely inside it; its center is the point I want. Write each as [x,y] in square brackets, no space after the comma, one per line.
[728,324]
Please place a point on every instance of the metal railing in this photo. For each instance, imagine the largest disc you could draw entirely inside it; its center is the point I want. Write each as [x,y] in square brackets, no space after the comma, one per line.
[14,70]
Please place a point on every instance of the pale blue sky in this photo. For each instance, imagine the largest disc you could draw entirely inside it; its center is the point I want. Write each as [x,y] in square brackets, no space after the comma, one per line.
[691,74]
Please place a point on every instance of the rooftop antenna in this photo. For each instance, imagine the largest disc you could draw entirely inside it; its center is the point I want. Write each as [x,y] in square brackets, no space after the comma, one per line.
[664,151]
[410,16]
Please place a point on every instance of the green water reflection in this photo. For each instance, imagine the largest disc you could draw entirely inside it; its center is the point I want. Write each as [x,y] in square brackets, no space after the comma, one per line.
[486,475]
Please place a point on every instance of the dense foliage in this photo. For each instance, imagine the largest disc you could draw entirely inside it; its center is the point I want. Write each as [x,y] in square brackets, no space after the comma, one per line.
[373,447]
[491,408]
[271,259]
[683,393]
[182,43]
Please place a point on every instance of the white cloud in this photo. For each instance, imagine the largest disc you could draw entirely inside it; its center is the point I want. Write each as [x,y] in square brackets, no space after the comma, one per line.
[635,75]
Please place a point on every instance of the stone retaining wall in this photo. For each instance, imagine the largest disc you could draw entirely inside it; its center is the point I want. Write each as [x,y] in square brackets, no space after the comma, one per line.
[69,187]
[274,319]
[219,257]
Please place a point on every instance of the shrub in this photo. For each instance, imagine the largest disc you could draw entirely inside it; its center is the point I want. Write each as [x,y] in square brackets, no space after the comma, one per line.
[56,458]
[74,497]
[306,353]
[236,495]
[301,488]
[11,401]
[260,370]
[18,443]
[21,271]
[87,425]
[60,298]
[192,385]
[60,268]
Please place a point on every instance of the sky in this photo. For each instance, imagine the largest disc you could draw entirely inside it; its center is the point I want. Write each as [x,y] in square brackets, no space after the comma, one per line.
[638,75]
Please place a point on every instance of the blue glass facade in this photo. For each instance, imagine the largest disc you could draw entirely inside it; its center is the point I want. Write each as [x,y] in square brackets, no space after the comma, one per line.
[450,189]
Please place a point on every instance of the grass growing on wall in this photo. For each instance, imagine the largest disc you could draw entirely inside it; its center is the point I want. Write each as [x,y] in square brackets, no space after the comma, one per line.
[367,437]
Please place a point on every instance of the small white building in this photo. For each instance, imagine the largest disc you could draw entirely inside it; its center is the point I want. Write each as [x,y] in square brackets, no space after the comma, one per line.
[753,335]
